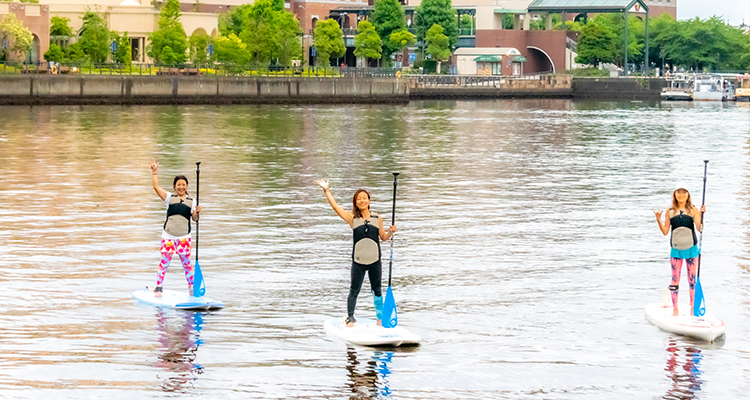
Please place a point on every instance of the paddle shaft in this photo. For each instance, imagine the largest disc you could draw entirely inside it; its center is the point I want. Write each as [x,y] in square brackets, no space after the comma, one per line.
[703,202]
[197,202]
[393,222]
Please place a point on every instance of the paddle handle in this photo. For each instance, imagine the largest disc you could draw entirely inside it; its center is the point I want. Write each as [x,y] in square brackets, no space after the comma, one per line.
[393,222]
[703,202]
[197,202]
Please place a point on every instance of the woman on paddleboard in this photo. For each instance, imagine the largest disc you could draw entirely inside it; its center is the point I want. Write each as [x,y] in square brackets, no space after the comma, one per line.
[176,235]
[367,231]
[683,218]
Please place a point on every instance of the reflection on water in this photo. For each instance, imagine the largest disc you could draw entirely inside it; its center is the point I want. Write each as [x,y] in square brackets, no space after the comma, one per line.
[179,339]
[683,369]
[368,373]
[526,248]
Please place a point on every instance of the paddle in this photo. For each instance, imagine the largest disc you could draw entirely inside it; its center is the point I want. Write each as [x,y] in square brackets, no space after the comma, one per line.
[699,302]
[390,317]
[199,287]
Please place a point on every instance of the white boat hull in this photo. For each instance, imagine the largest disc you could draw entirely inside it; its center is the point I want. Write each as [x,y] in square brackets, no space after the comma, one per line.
[707,327]
[366,332]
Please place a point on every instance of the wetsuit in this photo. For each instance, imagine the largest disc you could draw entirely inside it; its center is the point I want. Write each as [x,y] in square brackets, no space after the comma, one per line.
[684,247]
[176,237]
[365,259]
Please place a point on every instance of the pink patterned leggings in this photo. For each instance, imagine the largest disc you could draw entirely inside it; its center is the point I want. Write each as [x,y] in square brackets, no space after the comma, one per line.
[168,249]
[692,269]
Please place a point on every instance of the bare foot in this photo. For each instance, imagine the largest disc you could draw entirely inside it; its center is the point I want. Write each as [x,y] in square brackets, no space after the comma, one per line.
[676,312]
[380,323]
[190,290]
[157,291]
[350,325]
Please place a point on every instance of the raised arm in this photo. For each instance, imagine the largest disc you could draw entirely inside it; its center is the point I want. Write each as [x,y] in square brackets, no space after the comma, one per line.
[665,226]
[345,215]
[698,217]
[155,181]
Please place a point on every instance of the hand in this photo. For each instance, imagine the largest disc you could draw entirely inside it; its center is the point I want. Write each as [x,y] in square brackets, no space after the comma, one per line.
[703,208]
[393,229]
[154,166]
[658,214]
[323,183]
[197,209]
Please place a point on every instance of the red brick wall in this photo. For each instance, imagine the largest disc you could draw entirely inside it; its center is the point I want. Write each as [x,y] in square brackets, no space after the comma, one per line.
[551,42]
[37,24]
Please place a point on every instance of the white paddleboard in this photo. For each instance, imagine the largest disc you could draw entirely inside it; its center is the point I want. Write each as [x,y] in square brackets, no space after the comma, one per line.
[707,327]
[178,300]
[366,332]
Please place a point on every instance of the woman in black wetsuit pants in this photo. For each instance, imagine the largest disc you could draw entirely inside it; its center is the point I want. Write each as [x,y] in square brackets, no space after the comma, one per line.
[367,232]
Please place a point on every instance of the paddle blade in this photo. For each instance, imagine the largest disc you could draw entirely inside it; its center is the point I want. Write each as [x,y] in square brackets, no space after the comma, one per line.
[199,286]
[699,303]
[390,317]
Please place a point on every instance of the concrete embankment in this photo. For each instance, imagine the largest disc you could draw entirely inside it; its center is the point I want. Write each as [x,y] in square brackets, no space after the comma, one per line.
[549,86]
[470,87]
[105,89]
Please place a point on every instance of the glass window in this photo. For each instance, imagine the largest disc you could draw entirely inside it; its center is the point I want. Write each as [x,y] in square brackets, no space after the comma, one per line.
[497,68]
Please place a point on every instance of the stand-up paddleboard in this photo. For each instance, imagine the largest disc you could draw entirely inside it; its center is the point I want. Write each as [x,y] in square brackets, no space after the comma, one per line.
[178,300]
[366,332]
[708,327]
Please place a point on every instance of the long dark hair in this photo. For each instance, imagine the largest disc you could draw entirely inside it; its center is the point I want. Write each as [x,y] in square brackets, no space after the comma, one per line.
[180,178]
[355,209]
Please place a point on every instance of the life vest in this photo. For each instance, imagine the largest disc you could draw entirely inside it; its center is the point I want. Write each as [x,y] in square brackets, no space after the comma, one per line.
[366,234]
[683,231]
[178,216]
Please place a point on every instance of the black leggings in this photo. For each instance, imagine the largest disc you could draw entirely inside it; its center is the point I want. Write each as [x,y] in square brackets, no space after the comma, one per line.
[374,272]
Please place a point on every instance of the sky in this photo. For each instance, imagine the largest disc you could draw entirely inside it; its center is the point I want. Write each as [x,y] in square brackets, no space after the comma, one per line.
[733,11]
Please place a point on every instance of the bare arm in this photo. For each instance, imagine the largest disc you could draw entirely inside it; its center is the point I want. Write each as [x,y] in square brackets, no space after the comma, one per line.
[155,181]
[384,236]
[698,217]
[665,226]
[345,215]
[197,213]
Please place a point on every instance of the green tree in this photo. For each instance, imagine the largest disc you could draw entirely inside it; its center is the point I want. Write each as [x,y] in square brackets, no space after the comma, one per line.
[123,52]
[387,17]
[55,53]
[18,36]
[288,34]
[367,42]
[438,45]
[94,37]
[233,21]
[169,42]
[328,41]
[198,47]
[402,38]
[439,12]
[597,44]
[231,50]
[60,26]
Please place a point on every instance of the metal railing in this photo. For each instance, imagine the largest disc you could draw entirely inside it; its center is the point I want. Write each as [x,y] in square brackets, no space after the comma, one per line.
[472,80]
[275,71]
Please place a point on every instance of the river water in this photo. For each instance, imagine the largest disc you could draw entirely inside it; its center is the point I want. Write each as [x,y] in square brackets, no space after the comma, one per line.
[526,252]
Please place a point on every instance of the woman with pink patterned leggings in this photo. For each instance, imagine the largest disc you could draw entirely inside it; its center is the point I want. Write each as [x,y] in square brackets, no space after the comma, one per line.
[175,239]
[684,219]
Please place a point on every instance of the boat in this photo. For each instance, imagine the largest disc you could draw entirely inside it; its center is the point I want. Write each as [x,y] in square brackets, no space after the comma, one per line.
[680,87]
[712,87]
[742,94]
[707,327]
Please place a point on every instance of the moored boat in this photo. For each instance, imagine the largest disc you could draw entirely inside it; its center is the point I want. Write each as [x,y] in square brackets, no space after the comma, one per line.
[680,87]
[743,92]
[712,87]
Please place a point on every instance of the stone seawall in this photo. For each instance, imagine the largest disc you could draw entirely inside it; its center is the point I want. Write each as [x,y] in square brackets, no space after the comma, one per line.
[106,89]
